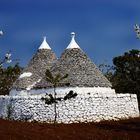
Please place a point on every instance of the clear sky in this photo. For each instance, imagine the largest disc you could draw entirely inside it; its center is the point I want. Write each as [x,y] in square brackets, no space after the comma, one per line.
[104,28]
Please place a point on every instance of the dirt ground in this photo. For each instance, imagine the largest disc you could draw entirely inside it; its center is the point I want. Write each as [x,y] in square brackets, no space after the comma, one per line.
[121,130]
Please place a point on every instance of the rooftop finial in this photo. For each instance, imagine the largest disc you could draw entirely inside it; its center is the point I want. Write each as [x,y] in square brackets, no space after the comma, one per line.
[44,38]
[44,44]
[73,43]
[73,34]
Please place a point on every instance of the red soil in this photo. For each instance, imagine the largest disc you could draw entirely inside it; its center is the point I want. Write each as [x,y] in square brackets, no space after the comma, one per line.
[122,130]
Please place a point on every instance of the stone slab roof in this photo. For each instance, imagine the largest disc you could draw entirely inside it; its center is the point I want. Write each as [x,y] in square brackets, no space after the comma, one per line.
[81,70]
[42,60]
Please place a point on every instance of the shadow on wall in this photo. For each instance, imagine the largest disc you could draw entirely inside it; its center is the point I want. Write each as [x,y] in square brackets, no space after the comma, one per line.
[138,97]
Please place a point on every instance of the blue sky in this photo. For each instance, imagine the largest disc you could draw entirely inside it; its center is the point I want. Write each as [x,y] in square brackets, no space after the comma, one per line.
[104,28]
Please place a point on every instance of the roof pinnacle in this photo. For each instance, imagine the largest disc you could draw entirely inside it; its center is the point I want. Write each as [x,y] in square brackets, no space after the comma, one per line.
[44,44]
[44,38]
[73,34]
[73,43]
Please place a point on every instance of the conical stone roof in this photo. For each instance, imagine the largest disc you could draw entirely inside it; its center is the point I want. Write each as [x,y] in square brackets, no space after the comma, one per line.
[33,73]
[82,72]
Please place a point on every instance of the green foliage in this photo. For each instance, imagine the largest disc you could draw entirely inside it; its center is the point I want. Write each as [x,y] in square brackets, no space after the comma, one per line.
[56,79]
[126,78]
[125,74]
[7,78]
[107,70]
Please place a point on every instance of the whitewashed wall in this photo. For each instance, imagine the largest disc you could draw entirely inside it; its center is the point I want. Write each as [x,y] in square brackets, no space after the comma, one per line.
[83,108]
[61,90]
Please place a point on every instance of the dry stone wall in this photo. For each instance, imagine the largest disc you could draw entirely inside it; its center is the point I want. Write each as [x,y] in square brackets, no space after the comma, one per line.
[82,72]
[82,108]
[42,60]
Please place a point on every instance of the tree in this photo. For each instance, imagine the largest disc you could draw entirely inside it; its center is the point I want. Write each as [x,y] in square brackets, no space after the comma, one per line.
[7,75]
[55,80]
[6,59]
[126,77]
[127,72]
[137,30]
[7,78]
[107,70]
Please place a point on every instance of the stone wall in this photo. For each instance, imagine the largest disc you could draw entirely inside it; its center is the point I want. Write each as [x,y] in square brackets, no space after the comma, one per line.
[83,108]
